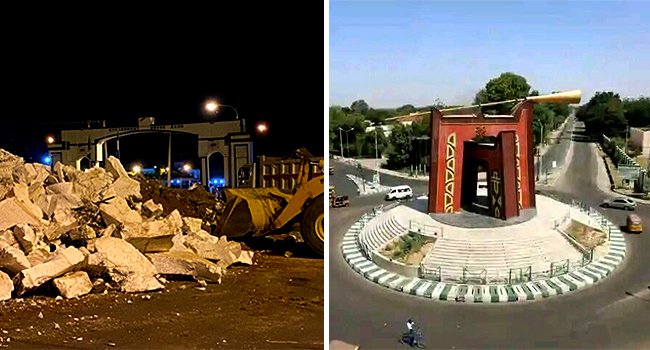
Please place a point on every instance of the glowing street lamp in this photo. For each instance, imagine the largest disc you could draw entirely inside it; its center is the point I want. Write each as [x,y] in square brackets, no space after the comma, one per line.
[50,139]
[187,167]
[213,106]
[136,169]
[262,128]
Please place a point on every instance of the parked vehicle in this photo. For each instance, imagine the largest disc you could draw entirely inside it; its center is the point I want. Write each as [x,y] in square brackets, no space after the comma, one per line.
[634,223]
[399,192]
[620,203]
[338,201]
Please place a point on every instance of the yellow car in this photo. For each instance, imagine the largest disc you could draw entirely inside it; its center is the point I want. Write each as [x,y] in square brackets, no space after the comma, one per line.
[634,223]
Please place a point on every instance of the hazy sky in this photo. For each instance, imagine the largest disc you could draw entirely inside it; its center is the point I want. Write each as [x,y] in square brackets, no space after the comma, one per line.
[391,53]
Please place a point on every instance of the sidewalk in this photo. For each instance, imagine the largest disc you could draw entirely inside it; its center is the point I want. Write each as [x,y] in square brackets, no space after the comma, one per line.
[371,163]
[605,181]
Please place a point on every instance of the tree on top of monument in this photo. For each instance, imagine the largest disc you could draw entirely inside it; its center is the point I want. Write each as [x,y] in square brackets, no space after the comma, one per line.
[508,86]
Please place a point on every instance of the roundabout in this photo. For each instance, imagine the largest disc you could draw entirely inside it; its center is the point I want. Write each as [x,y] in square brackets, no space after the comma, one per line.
[554,265]
[611,314]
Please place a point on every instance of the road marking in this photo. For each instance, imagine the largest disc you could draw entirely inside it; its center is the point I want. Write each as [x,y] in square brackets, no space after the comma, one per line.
[528,291]
[586,274]
[520,292]
[435,294]
[565,281]
[382,280]
[375,274]
[559,287]
[429,289]
[578,282]
[413,286]
[445,292]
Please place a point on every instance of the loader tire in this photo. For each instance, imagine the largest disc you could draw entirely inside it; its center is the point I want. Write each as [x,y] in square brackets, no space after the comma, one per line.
[312,226]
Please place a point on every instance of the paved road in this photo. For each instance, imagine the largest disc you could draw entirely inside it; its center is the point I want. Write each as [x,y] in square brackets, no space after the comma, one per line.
[600,317]
[558,150]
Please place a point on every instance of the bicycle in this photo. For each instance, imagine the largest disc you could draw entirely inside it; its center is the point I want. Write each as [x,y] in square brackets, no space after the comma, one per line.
[406,336]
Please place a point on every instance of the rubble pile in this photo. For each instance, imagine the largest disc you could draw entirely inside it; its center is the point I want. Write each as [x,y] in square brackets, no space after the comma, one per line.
[74,230]
[196,202]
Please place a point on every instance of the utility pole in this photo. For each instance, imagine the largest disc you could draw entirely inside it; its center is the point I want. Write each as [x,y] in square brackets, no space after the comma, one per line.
[341,140]
[169,161]
[627,131]
[376,156]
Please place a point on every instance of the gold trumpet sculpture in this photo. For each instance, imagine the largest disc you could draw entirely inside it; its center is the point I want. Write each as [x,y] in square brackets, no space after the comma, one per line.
[565,97]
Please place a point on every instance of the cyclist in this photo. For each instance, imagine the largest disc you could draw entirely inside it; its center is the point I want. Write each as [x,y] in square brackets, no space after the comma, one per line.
[410,325]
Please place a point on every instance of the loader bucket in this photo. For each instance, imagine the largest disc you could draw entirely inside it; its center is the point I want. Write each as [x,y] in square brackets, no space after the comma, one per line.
[251,210]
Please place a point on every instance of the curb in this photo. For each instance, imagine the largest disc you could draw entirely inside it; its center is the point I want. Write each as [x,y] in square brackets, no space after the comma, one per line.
[581,278]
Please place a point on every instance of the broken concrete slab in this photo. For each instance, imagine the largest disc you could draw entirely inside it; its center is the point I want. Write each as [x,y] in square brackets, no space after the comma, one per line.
[139,283]
[82,233]
[8,162]
[73,284]
[152,209]
[63,221]
[117,211]
[60,188]
[115,168]
[62,262]
[108,231]
[191,225]
[61,201]
[13,260]
[7,238]
[175,220]
[6,286]
[126,187]
[178,244]
[39,254]
[30,172]
[36,190]
[246,257]
[26,237]
[120,258]
[42,172]
[90,183]
[14,212]
[21,192]
[187,264]
[212,248]
[151,236]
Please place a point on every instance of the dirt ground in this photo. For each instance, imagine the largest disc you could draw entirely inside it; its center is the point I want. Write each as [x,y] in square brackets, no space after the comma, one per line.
[275,304]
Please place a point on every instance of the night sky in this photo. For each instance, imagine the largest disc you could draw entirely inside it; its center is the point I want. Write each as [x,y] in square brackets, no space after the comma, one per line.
[121,64]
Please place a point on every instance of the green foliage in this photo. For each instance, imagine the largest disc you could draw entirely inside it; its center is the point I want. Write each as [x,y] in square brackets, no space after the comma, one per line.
[405,109]
[359,106]
[507,86]
[637,112]
[401,147]
[603,114]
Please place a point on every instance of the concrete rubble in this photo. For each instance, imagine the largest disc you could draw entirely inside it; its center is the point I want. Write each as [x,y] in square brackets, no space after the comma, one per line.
[74,230]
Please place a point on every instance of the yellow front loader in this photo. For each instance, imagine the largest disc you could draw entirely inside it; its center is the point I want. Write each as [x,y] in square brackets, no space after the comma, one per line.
[262,211]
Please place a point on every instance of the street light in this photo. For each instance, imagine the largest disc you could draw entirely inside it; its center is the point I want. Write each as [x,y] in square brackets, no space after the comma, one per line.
[347,143]
[50,139]
[213,106]
[262,127]
[136,168]
[376,152]
[187,167]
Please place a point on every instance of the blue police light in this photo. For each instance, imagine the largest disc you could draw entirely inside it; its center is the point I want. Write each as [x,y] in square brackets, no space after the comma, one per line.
[47,160]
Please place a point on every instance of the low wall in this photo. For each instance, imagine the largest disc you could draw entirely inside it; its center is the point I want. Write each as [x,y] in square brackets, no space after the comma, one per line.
[395,266]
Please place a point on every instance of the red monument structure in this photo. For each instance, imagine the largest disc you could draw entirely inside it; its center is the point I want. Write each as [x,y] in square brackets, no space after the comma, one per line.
[500,145]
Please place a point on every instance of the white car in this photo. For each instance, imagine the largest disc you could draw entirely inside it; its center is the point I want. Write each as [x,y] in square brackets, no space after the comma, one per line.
[620,203]
[399,192]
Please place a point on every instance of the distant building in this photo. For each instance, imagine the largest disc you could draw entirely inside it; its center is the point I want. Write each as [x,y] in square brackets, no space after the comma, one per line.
[640,137]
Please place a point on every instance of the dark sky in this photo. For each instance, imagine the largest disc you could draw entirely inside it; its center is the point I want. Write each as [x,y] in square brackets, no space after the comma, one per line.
[118,64]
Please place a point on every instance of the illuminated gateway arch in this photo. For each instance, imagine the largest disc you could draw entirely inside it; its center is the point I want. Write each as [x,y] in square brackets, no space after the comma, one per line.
[229,138]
